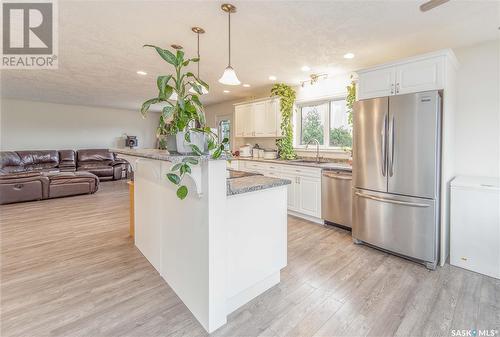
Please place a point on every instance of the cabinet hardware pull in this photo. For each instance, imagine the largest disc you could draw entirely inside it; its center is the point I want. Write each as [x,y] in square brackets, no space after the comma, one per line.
[392,89]
[397,88]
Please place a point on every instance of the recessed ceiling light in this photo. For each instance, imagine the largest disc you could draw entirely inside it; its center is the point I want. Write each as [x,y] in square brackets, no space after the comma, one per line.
[140,72]
[246,85]
[226,91]
[305,68]
[272,78]
[349,56]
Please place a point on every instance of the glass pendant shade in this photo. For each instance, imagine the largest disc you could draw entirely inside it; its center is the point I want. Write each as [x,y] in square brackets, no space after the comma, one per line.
[173,97]
[229,77]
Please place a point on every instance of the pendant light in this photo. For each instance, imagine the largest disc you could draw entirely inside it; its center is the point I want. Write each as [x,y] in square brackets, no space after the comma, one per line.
[229,75]
[198,31]
[173,96]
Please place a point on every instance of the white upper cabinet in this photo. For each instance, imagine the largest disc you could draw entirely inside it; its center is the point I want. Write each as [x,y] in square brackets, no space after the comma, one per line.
[420,76]
[416,74]
[258,119]
[377,83]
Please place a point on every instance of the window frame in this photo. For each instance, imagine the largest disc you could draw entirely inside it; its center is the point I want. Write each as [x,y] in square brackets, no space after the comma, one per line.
[326,132]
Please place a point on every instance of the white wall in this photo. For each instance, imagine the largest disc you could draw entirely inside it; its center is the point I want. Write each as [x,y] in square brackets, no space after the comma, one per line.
[28,125]
[477,131]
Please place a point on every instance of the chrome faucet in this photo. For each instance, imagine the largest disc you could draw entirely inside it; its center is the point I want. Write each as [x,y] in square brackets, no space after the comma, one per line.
[317,148]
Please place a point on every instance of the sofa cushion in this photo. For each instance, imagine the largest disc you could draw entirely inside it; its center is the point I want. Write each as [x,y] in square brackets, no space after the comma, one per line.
[10,162]
[100,171]
[72,183]
[94,155]
[39,160]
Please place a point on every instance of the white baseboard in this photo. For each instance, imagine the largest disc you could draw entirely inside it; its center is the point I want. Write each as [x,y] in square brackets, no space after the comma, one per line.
[307,217]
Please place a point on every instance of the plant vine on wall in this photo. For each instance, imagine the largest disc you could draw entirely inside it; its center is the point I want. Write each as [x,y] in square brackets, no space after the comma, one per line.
[287,98]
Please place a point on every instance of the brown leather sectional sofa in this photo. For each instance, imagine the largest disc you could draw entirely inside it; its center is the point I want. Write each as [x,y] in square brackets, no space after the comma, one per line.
[37,175]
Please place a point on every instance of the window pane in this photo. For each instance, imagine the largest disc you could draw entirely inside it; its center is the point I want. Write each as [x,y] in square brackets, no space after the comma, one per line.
[313,123]
[225,132]
[340,128]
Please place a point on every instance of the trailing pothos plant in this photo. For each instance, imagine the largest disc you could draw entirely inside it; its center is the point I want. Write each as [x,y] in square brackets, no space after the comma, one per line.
[350,99]
[185,114]
[287,99]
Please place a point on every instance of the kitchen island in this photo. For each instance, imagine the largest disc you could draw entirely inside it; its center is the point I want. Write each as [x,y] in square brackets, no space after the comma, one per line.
[221,246]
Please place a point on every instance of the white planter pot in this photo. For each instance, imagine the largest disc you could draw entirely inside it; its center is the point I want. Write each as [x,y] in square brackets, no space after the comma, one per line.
[197,138]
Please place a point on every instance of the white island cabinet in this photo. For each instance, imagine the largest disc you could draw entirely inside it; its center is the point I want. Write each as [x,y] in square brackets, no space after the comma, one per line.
[212,248]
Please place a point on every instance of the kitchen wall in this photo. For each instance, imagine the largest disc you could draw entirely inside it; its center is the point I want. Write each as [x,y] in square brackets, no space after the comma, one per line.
[28,125]
[477,128]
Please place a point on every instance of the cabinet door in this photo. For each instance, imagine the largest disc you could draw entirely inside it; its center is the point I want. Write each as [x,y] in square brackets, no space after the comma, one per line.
[376,83]
[309,190]
[270,129]
[239,117]
[292,192]
[420,76]
[260,119]
[249,121]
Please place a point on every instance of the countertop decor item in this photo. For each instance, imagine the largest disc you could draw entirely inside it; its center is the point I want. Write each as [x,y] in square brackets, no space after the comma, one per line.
[185,117]
[229,76]
[287,97]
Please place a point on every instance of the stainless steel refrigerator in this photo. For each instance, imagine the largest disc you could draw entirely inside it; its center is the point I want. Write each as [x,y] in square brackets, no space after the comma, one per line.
[396,174]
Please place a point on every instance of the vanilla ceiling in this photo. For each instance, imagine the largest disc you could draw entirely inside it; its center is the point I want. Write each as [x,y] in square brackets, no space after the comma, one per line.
[100,43]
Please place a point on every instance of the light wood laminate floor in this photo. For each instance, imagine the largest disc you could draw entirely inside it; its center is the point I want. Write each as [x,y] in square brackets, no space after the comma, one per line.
[68,268]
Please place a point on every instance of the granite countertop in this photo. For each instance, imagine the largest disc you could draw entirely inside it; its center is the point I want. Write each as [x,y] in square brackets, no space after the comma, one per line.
[161,154]
[245,183]
[321,165]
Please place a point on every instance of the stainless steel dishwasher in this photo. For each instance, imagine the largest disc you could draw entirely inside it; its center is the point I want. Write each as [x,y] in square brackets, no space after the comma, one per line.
[336,197]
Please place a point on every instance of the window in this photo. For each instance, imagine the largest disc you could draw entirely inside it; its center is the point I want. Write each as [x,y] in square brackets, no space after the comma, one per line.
[225,131]
[328,122]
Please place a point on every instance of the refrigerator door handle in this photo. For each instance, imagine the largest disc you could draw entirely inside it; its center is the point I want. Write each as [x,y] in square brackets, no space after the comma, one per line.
[391,147]
[384,148]
[391,201]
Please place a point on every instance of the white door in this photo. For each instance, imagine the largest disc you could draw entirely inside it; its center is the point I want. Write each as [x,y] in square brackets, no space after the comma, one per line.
[248,121]
[239,116]
[377,83]
[420,76]
[270,126]
[275,105]
[309,190]
[292,192]
[260,120]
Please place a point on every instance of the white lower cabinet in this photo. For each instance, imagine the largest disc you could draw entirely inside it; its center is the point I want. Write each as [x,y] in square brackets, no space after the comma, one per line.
[304,192]
[310,196]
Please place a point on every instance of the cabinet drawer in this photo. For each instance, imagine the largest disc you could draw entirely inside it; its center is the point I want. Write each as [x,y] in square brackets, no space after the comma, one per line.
[302,171]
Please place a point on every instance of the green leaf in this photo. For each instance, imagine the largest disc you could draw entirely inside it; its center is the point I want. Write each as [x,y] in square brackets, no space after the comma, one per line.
[176,167]
[196,100]
[195,59]
[147,104]
[181,103]
[180,57]
[211,144]
[225,140]
[168,111]
[197,88]
[174,178]
[162,81]
[185,168]
[217,153]
[190,160]
[202,83]
[190,107]
[196,149]
[165,54]
[187,137]
[182,192]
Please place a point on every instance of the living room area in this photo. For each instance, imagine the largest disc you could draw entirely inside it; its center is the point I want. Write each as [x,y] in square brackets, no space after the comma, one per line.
[250,169]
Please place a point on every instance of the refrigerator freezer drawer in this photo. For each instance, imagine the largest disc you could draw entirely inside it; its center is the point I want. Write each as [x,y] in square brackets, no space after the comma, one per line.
[403,225]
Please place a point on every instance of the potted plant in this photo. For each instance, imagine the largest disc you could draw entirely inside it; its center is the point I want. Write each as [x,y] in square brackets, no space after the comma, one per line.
[183,117]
